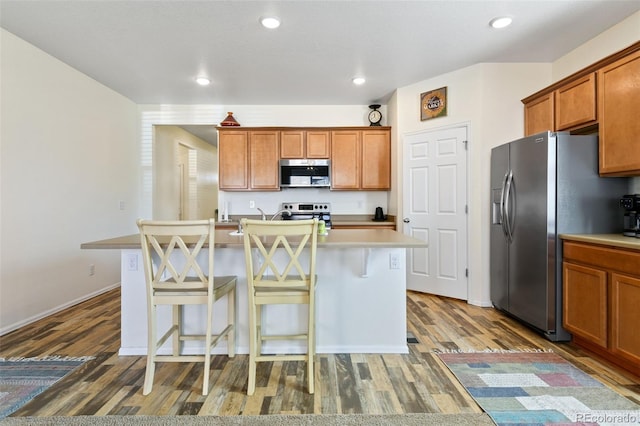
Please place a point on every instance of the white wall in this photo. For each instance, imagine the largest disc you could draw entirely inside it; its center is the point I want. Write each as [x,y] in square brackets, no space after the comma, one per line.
[343,202]
[69,156]
[487,98]
[203,195]
[616,38]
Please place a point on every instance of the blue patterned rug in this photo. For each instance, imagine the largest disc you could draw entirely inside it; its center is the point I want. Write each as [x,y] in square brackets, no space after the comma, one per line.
[22,379]
[538,388]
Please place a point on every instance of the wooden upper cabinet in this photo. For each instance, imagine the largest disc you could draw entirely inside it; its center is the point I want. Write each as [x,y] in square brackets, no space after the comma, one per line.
[318,144]
[233,167]
[304,144]
[292,144]
[619,116]
[539,114]
[264,160]
[345,159]
[361,159]
[575,103]
[376,159]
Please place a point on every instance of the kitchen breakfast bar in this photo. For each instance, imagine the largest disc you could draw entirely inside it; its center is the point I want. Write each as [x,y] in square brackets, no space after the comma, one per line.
[360,294]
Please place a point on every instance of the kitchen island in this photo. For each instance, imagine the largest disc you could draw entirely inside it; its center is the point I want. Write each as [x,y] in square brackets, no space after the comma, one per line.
[361,294]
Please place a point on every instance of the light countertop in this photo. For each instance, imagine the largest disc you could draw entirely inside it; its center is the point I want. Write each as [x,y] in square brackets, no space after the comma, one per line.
[336,219]
[613,240]
[337,238]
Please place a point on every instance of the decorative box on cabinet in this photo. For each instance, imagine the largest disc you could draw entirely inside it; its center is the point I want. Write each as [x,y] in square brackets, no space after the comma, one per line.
[601,295]
[619,112]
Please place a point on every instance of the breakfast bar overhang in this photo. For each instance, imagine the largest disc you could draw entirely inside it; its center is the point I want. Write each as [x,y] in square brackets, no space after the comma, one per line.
[360,294]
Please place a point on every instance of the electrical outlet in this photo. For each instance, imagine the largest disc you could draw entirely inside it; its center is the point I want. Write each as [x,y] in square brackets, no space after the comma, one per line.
[92,269]
[394,261]
[121,205]
[132,262]
[252,204]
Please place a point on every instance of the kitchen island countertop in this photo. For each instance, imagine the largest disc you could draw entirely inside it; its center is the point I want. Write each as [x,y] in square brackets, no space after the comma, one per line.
[336,238]
[613,240]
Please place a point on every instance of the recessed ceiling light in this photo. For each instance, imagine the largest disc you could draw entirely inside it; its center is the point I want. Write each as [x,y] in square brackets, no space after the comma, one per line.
[270,22]
[358,80]
[203,81]
[501,22]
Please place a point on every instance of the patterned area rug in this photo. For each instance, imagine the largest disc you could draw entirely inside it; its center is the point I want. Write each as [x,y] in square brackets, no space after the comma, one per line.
[538,388]
[22,379]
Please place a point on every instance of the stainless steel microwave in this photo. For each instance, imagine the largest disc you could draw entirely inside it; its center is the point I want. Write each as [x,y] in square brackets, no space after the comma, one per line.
[305,173]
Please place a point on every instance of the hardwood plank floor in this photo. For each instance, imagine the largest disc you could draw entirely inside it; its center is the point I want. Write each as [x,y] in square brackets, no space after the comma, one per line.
[416,382]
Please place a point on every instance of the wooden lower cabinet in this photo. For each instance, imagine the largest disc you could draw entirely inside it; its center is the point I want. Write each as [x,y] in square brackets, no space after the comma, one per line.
[625,317]
[601,300]
[585,302]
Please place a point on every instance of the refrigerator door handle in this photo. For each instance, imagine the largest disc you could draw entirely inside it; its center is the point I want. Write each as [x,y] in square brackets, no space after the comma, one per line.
[502,208]
[507,206]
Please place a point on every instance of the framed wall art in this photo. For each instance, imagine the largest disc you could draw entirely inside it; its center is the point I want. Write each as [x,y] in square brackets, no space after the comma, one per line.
[433,104]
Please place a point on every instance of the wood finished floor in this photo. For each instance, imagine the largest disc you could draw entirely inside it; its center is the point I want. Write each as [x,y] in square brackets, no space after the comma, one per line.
[416,382]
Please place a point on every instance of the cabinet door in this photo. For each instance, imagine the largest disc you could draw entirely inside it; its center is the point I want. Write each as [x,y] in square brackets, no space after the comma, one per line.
[292,144]
[345,159]
[376,159]
[318,144]
[264,164]
[618,112]
[233,155]
[625,316]
[576,103]
[585,302]
[539,115]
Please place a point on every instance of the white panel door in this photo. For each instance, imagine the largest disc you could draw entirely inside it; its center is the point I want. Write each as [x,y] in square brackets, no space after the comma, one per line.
[435,205]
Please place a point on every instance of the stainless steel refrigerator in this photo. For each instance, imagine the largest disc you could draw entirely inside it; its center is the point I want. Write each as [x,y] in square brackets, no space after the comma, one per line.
[542,186]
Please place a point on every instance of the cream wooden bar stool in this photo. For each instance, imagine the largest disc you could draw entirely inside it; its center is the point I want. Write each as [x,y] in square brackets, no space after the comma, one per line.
[274,281]
[174,277]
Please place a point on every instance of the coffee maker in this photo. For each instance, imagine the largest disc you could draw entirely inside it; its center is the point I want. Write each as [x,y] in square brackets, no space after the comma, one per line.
[631,205]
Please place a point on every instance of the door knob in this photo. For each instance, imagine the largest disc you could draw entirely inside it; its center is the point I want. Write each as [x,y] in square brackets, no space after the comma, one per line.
[406,220]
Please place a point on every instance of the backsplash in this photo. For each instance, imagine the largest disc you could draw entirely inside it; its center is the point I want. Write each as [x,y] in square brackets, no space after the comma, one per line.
[342,202]
[635,185]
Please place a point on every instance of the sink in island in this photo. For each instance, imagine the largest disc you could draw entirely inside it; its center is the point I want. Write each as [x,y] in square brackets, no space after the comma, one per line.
[361,294]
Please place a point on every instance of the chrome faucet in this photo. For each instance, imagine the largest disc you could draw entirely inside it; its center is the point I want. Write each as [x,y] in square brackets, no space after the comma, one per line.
[264,216]
[283,211]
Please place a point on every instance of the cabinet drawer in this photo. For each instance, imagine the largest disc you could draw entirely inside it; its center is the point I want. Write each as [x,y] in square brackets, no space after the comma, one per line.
[619,260]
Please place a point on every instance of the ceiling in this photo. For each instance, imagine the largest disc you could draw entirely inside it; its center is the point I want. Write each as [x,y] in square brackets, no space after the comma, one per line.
[151,51]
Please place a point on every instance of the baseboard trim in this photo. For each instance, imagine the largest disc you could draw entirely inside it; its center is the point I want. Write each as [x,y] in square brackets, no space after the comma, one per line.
[221,349]
[55,310]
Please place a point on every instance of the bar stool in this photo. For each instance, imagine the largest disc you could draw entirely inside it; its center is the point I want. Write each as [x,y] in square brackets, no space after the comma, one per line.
[269,284]
[174,277]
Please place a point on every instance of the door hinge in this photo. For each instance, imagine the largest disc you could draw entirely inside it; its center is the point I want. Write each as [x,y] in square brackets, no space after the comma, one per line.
[466,209]
[466,272]
[465,144]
